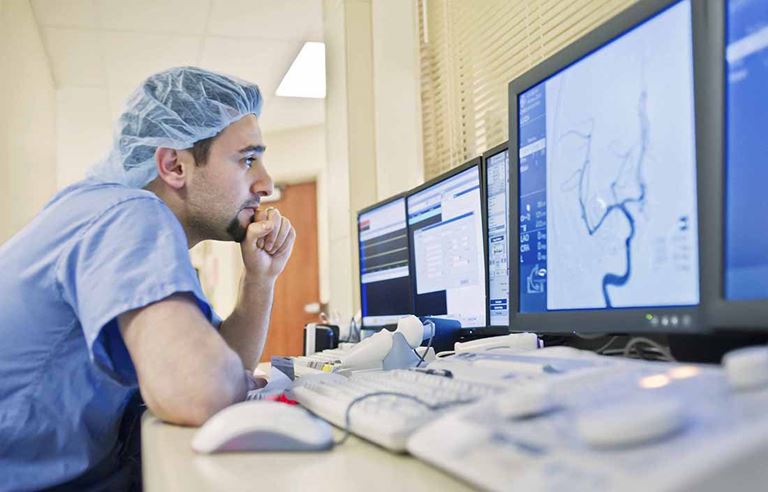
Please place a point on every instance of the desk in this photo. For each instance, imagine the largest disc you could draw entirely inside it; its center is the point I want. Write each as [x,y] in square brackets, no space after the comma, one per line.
[169,464]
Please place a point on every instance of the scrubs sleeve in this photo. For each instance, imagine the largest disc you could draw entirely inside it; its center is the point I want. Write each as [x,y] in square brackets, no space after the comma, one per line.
[132,255]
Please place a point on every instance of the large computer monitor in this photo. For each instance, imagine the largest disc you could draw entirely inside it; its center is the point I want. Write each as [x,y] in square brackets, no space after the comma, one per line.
[741,294]
[385,284]
[445,226]
[496,181]
[604,180]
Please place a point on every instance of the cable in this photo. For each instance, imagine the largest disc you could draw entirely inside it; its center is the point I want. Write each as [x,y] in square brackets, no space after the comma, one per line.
[643,340]
[608,344]
[429,345]
[584,336]
[347,413]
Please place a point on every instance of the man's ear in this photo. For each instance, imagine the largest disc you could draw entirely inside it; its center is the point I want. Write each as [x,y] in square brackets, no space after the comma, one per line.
[171,166]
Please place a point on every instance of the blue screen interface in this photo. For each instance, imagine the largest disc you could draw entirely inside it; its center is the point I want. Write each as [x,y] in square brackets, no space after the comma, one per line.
[607,175]
[746,221]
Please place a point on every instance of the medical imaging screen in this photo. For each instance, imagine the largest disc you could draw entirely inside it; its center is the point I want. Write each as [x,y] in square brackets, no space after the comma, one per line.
[607,175]
[446,230]
[746,202]
[385,287]
[497,193]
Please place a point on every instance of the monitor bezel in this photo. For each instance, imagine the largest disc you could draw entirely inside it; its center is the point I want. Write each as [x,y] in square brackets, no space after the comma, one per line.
[475,161]
[360,212]
[486,155]
[622,320]
[723,314]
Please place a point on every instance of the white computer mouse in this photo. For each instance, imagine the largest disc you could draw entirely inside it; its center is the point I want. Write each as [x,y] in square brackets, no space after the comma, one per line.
[262,426]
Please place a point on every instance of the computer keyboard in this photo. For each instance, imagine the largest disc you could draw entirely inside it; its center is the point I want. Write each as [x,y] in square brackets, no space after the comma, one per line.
[632,425]
[386,406]
[556,419]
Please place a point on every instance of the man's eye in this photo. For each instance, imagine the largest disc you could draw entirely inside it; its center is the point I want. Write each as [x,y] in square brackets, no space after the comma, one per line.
[249,161]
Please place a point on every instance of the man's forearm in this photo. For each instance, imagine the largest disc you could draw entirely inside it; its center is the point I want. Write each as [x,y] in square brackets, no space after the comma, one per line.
[245,330]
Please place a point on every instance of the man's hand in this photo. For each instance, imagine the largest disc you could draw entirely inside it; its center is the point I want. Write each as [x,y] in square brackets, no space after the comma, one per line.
[268,244]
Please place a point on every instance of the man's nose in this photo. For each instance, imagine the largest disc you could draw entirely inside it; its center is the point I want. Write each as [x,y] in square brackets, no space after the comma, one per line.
[263,185]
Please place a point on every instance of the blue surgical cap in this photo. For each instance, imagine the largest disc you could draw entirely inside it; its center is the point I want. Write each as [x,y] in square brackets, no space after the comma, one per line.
[173,109]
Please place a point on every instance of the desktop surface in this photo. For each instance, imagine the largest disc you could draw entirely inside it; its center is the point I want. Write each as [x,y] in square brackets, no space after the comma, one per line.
[168,463]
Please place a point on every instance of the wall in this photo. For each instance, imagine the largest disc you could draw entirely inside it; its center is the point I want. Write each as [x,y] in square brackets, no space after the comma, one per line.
[28,123]
[84,131]
[350,139]
[396,86]
[372,122]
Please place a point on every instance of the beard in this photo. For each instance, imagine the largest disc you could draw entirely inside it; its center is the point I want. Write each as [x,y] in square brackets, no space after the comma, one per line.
[236,231]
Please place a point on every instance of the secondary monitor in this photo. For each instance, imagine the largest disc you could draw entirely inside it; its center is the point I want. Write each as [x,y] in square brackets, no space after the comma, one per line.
[746,157]
[445,224]
[605,180]
[385,285]
[740,115]
[497,202]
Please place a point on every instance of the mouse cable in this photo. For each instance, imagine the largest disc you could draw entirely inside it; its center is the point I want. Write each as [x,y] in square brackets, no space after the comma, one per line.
[347,413]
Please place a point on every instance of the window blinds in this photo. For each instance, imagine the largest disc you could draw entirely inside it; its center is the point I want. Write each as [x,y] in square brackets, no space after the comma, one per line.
[471,49]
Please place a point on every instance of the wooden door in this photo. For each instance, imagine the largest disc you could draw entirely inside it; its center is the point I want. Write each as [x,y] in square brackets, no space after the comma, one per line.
[299,284]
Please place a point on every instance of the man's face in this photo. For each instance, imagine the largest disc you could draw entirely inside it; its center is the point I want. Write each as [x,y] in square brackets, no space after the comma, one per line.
[223,193]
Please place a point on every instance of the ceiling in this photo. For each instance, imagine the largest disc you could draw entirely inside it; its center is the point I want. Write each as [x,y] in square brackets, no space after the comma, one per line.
[113,45]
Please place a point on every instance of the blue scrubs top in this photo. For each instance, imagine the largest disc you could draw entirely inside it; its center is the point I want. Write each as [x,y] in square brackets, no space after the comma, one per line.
[96,251]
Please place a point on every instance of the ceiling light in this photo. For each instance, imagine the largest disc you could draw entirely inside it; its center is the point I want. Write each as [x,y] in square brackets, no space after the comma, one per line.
[306,77]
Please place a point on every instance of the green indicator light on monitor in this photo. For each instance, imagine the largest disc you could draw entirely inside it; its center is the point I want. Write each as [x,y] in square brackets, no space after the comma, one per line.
[649,317]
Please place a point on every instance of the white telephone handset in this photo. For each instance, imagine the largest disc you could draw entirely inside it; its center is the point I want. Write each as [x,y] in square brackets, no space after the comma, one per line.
[371,352]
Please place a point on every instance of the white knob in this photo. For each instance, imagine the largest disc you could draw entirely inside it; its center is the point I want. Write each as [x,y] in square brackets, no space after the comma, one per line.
[747,368]
[630,424]
[412,329]
[525,402]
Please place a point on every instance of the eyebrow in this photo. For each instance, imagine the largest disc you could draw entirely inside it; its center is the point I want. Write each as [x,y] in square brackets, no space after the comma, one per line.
[259,149]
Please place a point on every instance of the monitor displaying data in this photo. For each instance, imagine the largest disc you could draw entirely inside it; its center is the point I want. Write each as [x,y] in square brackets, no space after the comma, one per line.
[607,175]
[746,150]
[385,286]
[446,229]
[497,196]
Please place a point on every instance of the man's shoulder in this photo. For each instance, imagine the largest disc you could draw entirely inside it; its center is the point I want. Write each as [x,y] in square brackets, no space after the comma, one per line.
[91,205]
[101,195]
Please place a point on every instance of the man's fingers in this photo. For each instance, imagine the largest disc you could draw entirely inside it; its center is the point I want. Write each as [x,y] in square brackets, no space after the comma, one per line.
[276,220]
[285,229]
[258,230]
[287,245]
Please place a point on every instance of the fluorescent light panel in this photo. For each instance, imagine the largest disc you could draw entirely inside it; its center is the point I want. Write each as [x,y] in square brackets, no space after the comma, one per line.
[306,77]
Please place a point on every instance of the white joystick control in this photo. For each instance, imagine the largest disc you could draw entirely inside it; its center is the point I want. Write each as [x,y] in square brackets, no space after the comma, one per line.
[525,402]
[630,424]
[747,368]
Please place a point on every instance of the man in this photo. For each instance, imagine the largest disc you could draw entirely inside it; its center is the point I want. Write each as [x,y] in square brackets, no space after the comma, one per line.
[99,297]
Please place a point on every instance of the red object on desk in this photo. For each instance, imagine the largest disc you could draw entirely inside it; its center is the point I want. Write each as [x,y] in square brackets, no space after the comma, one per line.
[283,399]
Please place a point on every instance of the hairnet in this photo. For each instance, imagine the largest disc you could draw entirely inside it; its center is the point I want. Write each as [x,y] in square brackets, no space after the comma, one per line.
[173,109]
